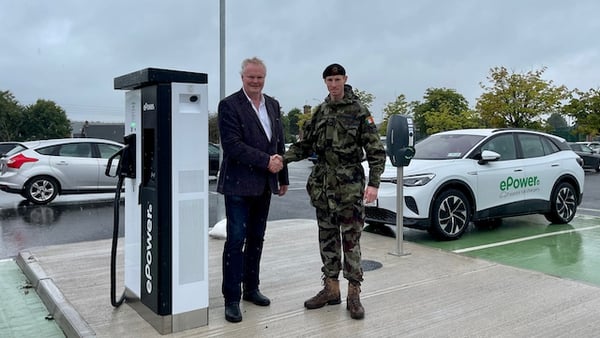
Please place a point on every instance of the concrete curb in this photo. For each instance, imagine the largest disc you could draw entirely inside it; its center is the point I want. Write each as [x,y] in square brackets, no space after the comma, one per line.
[67,318]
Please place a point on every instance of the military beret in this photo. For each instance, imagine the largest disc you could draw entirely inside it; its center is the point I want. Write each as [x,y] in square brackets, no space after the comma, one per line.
[334,69]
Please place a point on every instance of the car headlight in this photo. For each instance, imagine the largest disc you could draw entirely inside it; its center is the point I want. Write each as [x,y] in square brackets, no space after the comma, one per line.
[418,180]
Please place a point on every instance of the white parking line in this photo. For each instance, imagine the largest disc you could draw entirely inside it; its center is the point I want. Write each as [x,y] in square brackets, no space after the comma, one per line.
[492,245]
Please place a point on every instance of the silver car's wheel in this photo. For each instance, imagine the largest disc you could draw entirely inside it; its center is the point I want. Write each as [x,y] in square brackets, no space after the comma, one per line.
[41,190]
[451,214]
[563,204]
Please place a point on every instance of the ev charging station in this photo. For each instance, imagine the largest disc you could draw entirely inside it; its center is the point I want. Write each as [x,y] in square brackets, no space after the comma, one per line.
[166,197]
[400,149]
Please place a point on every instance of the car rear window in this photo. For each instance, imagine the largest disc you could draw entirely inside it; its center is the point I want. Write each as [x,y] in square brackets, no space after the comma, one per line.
[17,149]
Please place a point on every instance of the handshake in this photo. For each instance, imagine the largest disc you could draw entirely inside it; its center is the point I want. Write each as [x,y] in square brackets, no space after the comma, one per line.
[275,163]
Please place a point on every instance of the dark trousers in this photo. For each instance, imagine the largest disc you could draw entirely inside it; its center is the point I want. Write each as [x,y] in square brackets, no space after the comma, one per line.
[246,224]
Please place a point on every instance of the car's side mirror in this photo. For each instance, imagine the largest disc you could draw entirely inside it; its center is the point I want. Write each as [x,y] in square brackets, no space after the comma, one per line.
[488,156]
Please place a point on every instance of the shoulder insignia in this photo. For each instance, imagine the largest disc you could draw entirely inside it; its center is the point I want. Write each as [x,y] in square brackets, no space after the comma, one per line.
[370,121]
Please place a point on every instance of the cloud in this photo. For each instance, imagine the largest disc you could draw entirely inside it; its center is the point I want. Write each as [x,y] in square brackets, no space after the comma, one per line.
[70,51]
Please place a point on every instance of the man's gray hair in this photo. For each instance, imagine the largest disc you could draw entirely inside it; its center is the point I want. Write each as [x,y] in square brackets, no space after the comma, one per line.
[253,60]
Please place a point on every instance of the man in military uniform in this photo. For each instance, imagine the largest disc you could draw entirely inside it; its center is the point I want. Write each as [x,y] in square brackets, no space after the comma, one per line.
[341,132]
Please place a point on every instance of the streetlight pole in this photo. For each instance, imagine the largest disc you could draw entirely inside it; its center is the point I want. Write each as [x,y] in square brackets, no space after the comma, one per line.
[222,48]
[220,206]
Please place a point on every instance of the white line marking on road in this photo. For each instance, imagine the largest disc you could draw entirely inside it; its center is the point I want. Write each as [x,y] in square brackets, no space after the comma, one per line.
[517,240]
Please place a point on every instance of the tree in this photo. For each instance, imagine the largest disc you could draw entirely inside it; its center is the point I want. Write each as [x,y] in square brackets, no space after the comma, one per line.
[10,117]
[445,119]
[443,101]
[556,122]
[294,129]
[398,107]
[585,108]
[44,120]
[365,98]
[518,100]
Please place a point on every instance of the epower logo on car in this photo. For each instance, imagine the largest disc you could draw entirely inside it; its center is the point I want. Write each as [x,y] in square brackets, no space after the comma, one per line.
[514,186]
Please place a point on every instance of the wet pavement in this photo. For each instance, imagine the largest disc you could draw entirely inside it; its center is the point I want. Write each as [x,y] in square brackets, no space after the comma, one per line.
[529,242]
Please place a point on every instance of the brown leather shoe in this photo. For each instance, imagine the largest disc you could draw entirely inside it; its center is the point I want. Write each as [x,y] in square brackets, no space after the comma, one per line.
[357,311]
[330,295]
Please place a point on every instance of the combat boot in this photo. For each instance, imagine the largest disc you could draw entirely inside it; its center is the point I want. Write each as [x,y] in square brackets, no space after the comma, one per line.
[353,301]
[329,295]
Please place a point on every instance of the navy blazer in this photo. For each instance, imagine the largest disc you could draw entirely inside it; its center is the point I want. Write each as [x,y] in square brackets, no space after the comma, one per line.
[246,148]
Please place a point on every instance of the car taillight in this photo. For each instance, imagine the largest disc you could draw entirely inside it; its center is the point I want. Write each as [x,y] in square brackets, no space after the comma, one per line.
[18,160]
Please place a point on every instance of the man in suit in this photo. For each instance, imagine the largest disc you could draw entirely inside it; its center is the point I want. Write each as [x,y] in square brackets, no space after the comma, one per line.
[252,169]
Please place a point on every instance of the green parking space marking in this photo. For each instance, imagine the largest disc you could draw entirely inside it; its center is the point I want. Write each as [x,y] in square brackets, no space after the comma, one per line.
[529,242]
[22,313]
[568,254]
[523,239]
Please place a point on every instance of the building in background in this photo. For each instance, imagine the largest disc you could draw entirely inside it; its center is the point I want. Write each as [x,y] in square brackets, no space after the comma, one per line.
[107,131]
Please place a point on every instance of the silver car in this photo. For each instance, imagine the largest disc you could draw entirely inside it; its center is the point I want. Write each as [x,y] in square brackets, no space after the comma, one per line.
[48,168]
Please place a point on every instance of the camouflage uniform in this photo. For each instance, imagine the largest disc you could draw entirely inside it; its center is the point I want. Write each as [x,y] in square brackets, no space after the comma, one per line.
[338,132]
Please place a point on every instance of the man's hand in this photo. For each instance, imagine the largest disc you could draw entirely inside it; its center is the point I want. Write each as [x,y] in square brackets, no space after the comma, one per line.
[370,194]
[282,190]
[275,163]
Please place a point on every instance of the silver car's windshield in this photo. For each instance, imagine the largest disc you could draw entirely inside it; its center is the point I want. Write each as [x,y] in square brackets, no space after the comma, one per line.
[445,147]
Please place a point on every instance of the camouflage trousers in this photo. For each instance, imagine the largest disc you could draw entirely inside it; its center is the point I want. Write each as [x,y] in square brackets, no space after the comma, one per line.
[341,230]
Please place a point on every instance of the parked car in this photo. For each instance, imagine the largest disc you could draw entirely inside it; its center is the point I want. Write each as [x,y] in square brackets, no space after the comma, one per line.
[213,159]
[48,168]
[591,160]
[481,176]
[6,147]
[593,144]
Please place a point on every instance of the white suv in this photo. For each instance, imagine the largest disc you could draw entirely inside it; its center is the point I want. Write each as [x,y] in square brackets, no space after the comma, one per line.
[482,175]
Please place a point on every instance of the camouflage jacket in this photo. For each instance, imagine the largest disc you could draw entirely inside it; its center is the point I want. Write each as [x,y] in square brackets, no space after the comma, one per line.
[341,133]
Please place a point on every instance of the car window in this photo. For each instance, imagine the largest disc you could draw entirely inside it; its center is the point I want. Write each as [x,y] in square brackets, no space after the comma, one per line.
[75,150]
[107,150]
[586,149]
[575,146]
[531,145]
[503,145]
[17,149]
[69,150]
[445,147]
[213,149]
[549,146]
[50,151]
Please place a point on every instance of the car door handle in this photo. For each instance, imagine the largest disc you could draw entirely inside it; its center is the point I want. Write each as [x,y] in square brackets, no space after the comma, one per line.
[62,163]
[518,170]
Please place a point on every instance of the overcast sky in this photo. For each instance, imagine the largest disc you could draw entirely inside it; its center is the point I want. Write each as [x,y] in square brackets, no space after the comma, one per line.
[69,51]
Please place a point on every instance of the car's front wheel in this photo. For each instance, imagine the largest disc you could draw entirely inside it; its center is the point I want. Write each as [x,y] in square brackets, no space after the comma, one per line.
[563,204]
[41,190]
[450,215]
